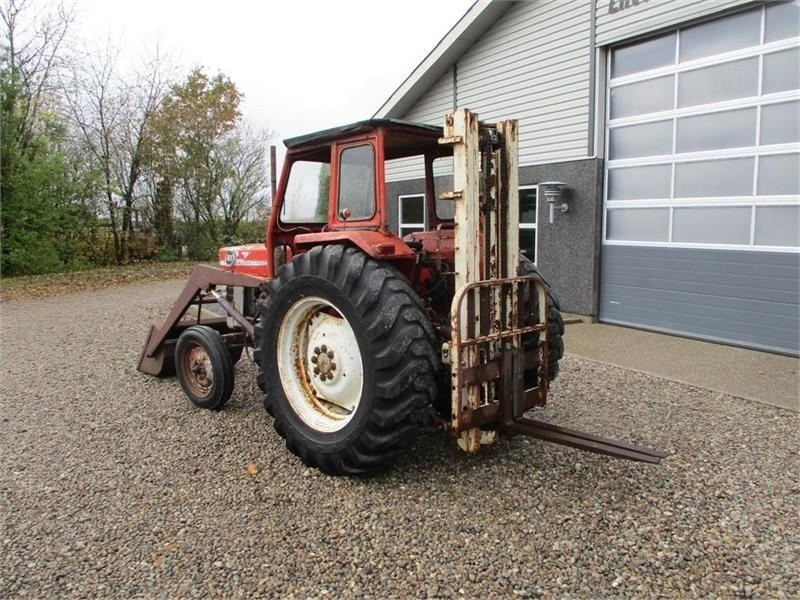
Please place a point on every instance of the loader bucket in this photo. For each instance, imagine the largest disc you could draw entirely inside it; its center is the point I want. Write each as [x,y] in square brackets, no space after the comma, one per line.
[161,363]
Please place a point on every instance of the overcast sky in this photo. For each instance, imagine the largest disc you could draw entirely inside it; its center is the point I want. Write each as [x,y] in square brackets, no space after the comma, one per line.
[302,65]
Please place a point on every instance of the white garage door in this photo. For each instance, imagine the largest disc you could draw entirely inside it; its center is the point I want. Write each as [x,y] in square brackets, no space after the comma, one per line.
[702,202]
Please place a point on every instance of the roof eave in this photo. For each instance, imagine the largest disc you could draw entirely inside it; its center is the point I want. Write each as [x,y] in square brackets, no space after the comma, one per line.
[480,16]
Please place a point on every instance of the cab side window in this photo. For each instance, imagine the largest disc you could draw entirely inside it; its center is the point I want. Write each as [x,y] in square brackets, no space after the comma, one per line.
[357,182]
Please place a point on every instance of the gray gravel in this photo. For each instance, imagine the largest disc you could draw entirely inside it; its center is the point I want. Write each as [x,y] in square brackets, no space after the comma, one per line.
[113,485]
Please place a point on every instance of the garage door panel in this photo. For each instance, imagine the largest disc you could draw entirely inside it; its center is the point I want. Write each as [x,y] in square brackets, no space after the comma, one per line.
[758,277]
[705,305]
[701,294]
[699,321]
[779,292]
[780,289]
[770,339]
[684,260]
[651,287]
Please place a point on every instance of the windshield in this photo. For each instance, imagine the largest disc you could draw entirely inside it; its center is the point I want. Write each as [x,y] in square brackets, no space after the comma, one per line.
[307,193]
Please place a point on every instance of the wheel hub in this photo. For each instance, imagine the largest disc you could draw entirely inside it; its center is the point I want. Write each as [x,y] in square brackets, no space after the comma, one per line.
[200,369]
[320,365]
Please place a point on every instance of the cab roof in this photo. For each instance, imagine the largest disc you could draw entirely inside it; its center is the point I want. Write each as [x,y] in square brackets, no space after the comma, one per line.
[403,138]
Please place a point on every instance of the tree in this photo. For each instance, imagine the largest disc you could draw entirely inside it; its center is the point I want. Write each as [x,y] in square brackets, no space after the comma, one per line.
[31,56]
[323,192]
[188,133]
[112,114]
[245,192]
[42,187]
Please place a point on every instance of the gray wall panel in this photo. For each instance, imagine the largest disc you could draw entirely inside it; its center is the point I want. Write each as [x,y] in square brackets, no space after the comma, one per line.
[532,65]
[622,19]
[747,298]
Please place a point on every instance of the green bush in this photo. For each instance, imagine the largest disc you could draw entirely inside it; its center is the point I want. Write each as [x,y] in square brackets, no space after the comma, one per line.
[167,254]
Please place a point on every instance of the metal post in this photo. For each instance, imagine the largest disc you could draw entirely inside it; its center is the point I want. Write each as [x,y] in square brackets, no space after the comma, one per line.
[273,172]
[461,130]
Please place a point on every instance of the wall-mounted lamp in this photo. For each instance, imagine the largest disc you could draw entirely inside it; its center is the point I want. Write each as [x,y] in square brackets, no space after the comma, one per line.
[554,192]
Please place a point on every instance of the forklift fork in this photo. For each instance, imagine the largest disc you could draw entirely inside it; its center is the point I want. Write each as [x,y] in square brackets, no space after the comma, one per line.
[495,311]
[488,361]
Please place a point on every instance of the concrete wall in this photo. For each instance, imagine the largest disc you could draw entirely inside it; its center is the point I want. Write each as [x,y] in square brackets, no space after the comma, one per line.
[568,249]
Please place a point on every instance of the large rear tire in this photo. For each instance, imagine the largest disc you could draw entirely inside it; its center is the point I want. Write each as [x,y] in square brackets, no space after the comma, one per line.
[555,331]
[346,359]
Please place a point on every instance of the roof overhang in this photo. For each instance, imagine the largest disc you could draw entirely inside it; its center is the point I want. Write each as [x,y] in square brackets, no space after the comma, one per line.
[452,46]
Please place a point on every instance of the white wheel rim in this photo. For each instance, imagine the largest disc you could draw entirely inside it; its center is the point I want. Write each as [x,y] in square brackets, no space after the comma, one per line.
[319,364]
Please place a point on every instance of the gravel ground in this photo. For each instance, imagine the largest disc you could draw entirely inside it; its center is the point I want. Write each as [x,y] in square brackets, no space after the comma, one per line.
[113,485]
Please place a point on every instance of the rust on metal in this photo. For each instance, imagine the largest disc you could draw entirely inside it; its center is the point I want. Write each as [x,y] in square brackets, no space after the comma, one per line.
[157,355]
[453,195]
[235,314]
[451,139]
[199,373]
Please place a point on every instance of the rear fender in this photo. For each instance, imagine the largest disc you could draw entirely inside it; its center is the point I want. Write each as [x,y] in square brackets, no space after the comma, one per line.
[378,245]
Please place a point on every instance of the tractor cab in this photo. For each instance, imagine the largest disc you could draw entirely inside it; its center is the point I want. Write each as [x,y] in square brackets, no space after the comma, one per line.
[333,190]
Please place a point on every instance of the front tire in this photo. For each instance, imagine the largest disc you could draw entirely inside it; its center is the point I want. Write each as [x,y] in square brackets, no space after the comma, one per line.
[204,367]
[346,360]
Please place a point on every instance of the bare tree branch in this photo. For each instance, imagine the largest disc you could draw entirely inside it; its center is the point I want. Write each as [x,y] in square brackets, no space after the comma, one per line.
[32,50]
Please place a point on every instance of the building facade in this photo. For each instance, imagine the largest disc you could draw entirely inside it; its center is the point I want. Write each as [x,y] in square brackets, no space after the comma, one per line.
[675,127]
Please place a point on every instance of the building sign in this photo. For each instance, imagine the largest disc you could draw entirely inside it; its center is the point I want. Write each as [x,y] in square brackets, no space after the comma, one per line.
[615,6]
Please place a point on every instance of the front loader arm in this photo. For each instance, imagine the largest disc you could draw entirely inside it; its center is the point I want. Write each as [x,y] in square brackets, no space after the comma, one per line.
[156,357]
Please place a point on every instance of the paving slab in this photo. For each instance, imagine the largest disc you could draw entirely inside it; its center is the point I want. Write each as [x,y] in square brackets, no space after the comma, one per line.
[772,379]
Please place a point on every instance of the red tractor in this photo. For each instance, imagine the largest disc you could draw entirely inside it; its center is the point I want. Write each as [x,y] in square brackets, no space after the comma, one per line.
[361,336]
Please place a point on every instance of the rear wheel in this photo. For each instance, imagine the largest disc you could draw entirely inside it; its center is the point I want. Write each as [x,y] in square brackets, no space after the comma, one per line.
[346,359]
[555,330]
[204,367]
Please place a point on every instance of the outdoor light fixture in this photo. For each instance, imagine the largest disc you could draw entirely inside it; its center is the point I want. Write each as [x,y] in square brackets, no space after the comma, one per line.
[555,192]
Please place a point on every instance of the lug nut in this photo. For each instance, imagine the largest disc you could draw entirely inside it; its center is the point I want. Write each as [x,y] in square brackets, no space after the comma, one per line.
[316,370]
[314,359]
[330,353]
[324,348]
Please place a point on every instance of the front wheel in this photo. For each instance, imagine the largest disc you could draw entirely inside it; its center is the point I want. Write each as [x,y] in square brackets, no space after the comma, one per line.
[204,367]
[346,359]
